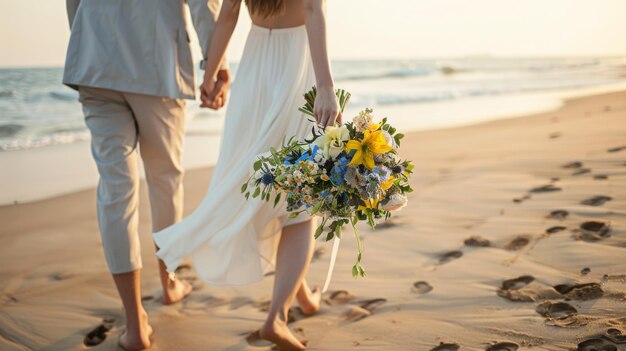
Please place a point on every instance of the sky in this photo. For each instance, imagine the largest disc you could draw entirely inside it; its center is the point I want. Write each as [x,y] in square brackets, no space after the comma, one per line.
[35,33]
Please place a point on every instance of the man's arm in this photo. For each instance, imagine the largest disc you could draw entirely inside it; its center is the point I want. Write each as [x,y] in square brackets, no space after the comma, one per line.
[204,17]
[71,6]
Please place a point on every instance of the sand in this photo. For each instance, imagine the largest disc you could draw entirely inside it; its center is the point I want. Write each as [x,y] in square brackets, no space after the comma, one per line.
[515,235]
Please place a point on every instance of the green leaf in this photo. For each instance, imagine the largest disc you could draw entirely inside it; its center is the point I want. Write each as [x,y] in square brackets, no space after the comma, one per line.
[317,207]
[256,193]
[399,136]
[355,271]
[247,195]
[257,165]
[361,271]
[319,231]
[339,230]
[330,235]
[244,187]
[293,215]
[277,199]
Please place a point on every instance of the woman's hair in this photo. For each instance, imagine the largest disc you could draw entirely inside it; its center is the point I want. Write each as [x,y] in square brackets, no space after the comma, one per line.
[266,8]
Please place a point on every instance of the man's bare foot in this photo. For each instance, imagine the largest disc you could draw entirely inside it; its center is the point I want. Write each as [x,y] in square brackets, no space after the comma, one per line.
[278,333]
[134,341]
[175,291]
[310,303]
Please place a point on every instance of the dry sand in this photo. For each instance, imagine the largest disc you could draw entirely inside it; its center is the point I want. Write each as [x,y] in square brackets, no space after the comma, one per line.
[524,278]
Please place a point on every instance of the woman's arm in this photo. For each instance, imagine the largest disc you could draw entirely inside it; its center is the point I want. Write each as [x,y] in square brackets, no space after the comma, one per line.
[325,107]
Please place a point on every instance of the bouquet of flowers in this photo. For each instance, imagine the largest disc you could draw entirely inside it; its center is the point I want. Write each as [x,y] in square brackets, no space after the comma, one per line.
[343,174]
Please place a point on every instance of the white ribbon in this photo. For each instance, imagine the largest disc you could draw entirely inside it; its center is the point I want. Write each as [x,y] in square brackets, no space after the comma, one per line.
[331,266]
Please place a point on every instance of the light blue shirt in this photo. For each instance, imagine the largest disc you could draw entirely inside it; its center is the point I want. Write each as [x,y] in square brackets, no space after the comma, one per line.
[137,46]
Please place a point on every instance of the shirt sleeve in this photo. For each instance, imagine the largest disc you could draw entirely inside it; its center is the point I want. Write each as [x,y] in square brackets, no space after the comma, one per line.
[71,7]
[204,16]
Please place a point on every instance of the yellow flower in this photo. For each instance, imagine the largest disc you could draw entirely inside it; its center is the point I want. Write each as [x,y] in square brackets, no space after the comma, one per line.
[372,143]
[373,127]
[388,183]
[373,203]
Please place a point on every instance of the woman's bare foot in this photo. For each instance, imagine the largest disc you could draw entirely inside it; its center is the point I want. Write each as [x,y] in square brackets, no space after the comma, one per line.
[310,301]
[278,333]
[176,290]
[131,340]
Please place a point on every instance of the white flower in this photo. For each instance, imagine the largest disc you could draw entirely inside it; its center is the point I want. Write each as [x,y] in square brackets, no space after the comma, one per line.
[389,139]
[394,202]
[334,140]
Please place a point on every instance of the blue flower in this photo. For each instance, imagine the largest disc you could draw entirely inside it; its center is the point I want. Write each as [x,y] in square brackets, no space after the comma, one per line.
[309,155]
[267,178]
[382,172]
[338,172]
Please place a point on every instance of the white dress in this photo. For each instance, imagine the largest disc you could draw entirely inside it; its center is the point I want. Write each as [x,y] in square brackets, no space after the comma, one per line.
[233,241]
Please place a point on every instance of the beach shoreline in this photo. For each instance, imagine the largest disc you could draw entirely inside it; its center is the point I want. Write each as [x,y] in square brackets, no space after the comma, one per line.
[515,234]
[51,171]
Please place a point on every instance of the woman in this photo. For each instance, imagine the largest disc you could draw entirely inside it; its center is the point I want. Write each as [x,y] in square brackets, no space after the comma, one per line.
[233,241]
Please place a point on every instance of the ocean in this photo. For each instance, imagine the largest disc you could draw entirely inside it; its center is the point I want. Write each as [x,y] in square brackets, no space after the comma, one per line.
[37,111]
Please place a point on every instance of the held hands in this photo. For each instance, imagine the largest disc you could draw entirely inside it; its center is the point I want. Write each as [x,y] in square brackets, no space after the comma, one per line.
[326,107]
[213,92]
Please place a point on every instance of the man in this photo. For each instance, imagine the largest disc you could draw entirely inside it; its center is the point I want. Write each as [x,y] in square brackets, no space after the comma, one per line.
[131,64]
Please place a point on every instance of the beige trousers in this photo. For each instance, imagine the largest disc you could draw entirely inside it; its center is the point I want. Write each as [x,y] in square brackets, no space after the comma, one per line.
[119,123]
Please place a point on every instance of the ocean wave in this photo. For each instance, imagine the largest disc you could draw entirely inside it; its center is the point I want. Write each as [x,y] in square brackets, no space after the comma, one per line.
[7,93]
[9,130]
[35,141]
[64,95]
[390,74]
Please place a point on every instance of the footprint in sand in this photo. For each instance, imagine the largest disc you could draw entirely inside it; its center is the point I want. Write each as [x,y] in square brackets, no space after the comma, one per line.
[582,171]
[449,256]
[596,344]
[616,336]
[446,347]
[554,135]
[518,243]
[593,231]
[510,289]
[600,177]
[581,292]
[558,214]
[147,298]
[556,310]
[555,229]
[573,165]
[364,309]
[503,346]
[585,271]
[545,189]
[597,200]
[97,335]
[339,297]
[477,241]
[63,276]
[517,283]
[421,287]
[616,149]
[521,199]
